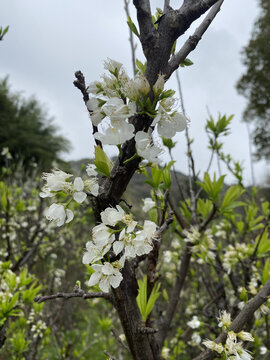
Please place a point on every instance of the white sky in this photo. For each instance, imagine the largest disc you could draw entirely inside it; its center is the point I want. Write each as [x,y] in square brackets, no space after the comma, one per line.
[49,40]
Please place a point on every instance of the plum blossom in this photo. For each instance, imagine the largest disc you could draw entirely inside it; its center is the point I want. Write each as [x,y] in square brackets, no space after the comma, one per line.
[94,252]
[159,85]
[148,204]
[194,323]
[79,196]
[106,275]
[146,148]
[94,106]
[134,88]
[117,134]
[112,66]
[112,216]
[102,235]
[57,180]
[169,124]
[117,110]
[90,169]
[57,213]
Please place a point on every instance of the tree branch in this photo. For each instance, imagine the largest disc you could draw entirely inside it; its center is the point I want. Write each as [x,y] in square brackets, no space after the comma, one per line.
[238,323]
[144,17]
[193,40]
[81,293]
[80,84]
[166,6]
[131,39]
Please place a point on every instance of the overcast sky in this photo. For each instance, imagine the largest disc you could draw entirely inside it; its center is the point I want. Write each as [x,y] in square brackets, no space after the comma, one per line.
[49,40]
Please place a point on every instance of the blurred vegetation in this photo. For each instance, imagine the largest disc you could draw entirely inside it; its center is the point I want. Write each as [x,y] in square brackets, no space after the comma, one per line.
[32,138]
[255,82]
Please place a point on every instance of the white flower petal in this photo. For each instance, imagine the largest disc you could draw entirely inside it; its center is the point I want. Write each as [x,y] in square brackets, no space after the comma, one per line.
[70,215]
[94,279]
[79,196]
[78,184]
[118,247]
[115,280]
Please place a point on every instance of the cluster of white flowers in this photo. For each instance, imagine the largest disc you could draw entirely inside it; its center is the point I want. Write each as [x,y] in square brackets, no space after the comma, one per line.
[116,98]
[128,241]
[203,243]
[57,181]
[38,329]
[232,349]
[234,254]
[194,323]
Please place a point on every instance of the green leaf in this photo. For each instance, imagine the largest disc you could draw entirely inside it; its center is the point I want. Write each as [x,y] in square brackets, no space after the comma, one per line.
[102,162]
[212,188]
[264,245]
[141,66]
[186,62]
[133,27]
[146,306]
[266,271]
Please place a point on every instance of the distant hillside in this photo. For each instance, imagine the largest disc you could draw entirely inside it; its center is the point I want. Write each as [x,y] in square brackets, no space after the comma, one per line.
[138,189]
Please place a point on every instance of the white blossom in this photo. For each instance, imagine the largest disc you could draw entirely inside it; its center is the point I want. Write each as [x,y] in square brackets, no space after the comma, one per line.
[79,196]
[263,350]
[92,186]
[94,252]
[112,66]
[106,275]
[96,113]
[245,336]
[90,169]
[194,323]
[224,319]
[148,204]
[57,180]
[146,148]
[169,124]
[136,87]
[117,110]
[213,346]
[112,216]
[57,213]
[117,134]
[159,85]
[102,235]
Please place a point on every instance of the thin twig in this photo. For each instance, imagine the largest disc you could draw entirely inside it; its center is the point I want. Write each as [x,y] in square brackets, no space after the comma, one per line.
[80,84]
[131,39]
[111,357]
[81,293]
[121,342]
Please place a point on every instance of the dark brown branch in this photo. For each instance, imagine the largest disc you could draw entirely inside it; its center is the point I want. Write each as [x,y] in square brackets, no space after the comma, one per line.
[144,17]
[81,293]
[80,84]
[238,323]
[193,40]
[147,330]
